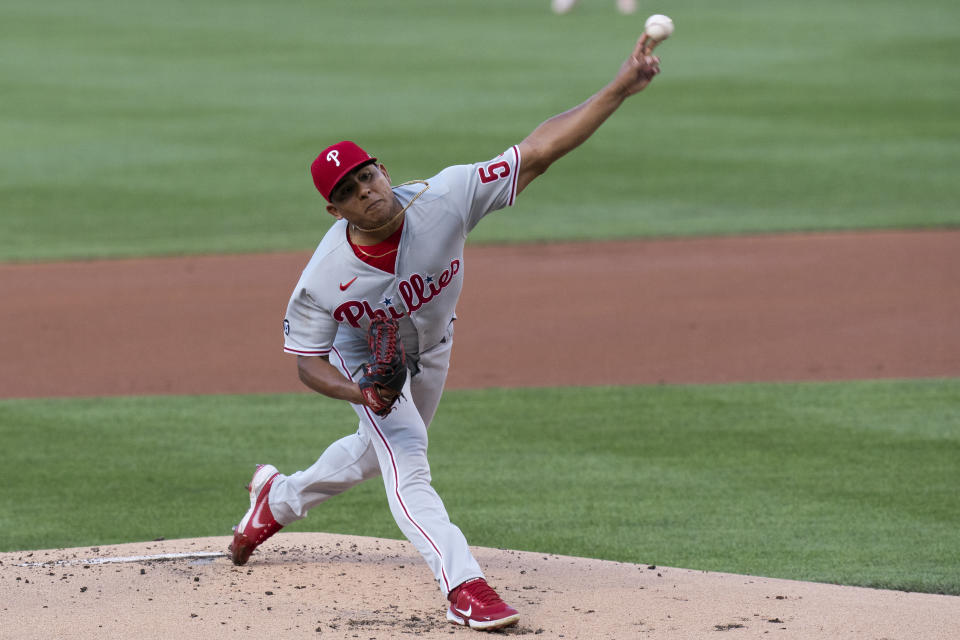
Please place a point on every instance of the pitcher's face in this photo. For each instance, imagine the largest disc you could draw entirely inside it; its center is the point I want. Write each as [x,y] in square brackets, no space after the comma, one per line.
[364,197]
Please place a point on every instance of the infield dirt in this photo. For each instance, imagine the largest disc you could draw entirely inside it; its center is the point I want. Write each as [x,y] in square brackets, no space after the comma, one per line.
[793,307]
[315,585]
[705,310]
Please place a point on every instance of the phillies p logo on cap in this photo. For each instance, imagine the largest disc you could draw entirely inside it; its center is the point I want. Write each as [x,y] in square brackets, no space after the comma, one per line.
[334,163]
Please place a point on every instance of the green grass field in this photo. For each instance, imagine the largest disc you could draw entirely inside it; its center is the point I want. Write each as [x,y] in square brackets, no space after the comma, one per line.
[143,128]
[130,128]
[853,483]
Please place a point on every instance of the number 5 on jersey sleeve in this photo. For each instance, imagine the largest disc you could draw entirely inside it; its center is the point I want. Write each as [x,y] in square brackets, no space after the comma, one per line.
[494,172]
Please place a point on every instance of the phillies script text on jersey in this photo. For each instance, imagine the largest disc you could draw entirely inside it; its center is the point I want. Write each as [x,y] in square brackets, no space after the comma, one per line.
[415,291]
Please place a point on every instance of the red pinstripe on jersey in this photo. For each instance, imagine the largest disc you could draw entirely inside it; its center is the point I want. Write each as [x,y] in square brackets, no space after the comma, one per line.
[513,183]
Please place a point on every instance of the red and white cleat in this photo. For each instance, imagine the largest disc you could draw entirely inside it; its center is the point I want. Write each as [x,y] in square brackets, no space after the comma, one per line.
[258,523]
[476,605]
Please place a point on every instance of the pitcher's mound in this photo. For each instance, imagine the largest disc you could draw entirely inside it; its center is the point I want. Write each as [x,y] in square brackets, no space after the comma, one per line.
[315,585]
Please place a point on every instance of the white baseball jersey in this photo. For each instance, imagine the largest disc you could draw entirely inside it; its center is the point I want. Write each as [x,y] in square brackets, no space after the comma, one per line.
[338,294]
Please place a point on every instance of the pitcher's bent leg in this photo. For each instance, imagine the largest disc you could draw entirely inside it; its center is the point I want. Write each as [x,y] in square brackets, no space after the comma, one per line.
[345,463]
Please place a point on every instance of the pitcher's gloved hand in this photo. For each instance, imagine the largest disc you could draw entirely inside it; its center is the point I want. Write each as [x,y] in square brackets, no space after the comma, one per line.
[386,371]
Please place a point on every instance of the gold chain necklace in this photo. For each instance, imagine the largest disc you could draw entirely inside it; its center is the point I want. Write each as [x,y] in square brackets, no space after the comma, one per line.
[401,212]
[370,255]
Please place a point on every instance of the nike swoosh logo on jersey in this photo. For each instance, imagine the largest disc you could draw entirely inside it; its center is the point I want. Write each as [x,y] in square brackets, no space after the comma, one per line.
[344,287]
[465,614]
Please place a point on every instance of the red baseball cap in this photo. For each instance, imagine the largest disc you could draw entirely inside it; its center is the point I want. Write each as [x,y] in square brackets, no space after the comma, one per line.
[335,162]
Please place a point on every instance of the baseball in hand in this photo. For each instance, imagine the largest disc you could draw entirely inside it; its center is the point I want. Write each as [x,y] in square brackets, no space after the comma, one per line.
[658,27]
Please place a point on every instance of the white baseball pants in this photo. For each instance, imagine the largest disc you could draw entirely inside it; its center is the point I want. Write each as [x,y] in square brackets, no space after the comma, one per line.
[396,448]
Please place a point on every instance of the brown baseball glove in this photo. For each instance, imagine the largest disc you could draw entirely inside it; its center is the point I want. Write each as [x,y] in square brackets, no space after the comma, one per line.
[386,370]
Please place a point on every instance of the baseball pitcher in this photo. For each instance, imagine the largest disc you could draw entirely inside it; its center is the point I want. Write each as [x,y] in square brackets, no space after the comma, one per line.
[371,322]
